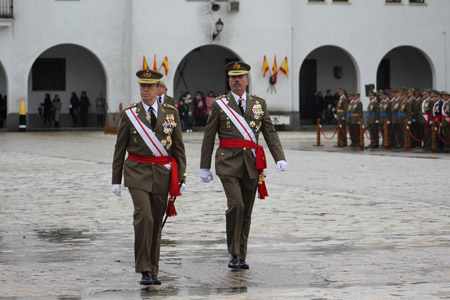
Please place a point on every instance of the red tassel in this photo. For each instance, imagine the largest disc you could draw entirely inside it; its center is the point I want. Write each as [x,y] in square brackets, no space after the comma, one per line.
[171,211]
[262,190]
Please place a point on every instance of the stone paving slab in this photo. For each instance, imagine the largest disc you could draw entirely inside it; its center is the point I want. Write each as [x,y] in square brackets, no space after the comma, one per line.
[340,224]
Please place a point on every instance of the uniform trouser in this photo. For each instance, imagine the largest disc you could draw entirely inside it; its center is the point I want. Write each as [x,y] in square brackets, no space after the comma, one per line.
[401,134]
[148,215]
[415,132]
[344,129]
[356,134]
[446,136]
[373,131]
[427,134]
[240,193]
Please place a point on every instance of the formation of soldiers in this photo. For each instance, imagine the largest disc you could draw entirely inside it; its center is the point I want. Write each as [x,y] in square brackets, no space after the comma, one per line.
[420,111]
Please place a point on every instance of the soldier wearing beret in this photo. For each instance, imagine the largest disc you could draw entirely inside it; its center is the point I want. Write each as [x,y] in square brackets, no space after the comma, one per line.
[150,132]
[162,96]
[404,113]
[238,118]
[396,123]
[385,113]
[373,116]
[341,114]
[357,114]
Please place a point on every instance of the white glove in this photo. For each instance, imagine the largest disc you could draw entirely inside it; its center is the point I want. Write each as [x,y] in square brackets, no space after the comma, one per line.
[376,121]
[409,122]
[343,118]
[206,175]
[389,122]
[182,188]
[282,165]
[116,189]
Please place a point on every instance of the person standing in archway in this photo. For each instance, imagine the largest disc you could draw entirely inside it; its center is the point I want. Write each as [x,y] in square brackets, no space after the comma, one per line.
[74,108]
[84,108]
[238,118]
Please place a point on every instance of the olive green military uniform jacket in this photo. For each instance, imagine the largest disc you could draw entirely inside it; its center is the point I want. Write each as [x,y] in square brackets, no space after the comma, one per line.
[357,111]
[169,100]
[148,177]
[235,161]
[373,112]
[385,111]
[395,105]
[341,108]
[426,107]
[405,111]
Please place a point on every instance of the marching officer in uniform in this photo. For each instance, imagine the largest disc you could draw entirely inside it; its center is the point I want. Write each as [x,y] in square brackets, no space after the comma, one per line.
[238,118]
[445,121]
[373,116]
[151,134]
[341,114]
[162,94]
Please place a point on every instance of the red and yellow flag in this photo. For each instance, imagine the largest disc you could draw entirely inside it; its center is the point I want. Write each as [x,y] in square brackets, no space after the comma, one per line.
[155,66]
[144,64]
[275,66]
[265,66]
[165,65]
[284,67]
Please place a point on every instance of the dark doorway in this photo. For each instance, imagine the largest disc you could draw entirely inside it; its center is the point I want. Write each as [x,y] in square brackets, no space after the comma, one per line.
[308,84]
[383,74]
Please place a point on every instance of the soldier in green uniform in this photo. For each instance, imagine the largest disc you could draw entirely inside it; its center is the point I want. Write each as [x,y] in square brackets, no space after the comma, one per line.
[151,134]
[385,113]
[396,123]
[404,113]
[162,94]
[425,119]
[238,118]
[349,119]
[437,117]
[373,117]
[357,114]
[341,114]
[445,122]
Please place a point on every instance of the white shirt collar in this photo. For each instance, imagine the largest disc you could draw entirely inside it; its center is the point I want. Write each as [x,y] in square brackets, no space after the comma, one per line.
[155,107]
[236,97]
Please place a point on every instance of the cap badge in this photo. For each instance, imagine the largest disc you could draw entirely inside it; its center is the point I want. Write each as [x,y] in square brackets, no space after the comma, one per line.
[236,66]
[147,74]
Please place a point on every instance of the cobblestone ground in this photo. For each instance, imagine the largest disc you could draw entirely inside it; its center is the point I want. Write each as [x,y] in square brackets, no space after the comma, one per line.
[340,224]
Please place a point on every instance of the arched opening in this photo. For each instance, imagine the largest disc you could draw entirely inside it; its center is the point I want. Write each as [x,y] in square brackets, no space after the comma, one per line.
[3,97]
[203,69]
[325,68]
[404,66]
[61,70]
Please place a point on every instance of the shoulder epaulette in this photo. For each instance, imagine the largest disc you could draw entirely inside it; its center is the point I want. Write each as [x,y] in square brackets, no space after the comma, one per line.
[131,106]
[169,106]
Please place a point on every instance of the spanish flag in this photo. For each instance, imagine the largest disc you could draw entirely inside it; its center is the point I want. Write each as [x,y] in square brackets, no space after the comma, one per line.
[155,66]
[165,65]
[265,66]
[275,66]
[284,67]
[145,64]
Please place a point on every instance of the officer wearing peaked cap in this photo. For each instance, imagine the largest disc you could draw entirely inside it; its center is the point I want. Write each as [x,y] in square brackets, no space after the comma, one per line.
[341,114]
[239,118]
[150,133]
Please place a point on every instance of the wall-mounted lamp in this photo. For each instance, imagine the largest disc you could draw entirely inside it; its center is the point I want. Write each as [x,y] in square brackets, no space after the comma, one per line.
[219,27]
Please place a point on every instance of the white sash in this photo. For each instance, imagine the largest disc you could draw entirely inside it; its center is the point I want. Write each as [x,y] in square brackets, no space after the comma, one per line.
[147,135]
[238,121]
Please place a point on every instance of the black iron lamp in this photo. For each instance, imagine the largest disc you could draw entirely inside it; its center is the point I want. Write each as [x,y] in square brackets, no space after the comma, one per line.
[219,27]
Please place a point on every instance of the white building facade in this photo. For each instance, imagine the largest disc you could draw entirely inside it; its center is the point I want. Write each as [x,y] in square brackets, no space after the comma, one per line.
[99,45]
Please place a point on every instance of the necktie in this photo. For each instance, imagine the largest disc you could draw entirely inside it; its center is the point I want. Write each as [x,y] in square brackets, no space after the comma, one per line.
[159,99]
[241,105]
[152,117]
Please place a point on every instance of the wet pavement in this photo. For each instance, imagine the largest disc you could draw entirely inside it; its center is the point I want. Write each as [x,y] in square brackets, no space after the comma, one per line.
[339,224]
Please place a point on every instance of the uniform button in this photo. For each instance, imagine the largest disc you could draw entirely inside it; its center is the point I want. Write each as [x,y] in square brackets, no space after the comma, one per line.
[221,153]
[153,163]
[245,148]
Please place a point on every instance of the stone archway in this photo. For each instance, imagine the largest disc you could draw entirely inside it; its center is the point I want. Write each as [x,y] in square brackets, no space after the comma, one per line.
[61,70]
[405,66]
[202,69]
[325,68]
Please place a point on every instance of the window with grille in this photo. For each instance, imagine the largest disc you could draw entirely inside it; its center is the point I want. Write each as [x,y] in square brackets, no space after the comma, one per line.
[49,74]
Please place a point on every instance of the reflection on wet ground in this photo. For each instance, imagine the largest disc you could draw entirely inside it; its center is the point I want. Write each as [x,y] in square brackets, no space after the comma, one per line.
[337,225]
